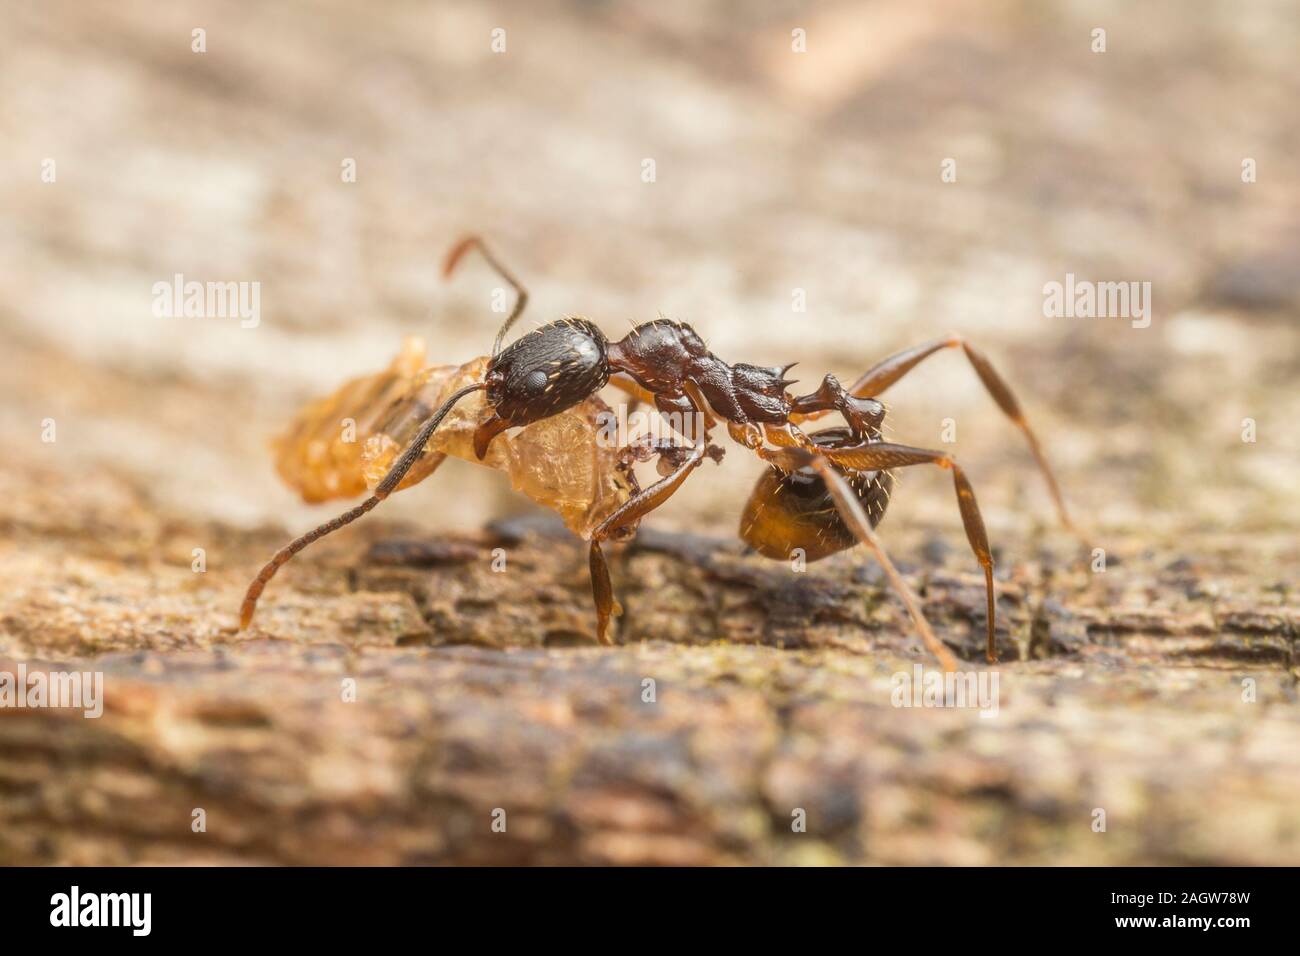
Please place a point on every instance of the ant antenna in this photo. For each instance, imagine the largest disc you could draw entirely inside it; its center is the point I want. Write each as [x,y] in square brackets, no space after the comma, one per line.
[521,294]
[382,491]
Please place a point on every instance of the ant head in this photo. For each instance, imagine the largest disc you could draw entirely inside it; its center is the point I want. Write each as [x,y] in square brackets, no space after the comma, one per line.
[547,371]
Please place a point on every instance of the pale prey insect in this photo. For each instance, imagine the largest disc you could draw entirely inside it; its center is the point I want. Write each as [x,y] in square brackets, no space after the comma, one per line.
[532,410]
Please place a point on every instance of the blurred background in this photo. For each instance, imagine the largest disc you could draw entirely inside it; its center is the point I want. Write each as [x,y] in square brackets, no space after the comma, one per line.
[774,171]
[1169,158]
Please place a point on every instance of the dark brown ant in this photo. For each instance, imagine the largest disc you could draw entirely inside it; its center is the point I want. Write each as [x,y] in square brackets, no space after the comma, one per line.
[824,491]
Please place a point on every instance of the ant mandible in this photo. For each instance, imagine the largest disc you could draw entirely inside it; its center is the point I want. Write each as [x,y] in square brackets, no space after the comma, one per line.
[823,492]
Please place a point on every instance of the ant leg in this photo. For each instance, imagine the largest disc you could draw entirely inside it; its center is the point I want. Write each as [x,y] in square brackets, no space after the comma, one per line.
[888,371]
[382,491]
[850,509]
[521,294]
[687,413]
[787,436]
[881,456]
[631,511]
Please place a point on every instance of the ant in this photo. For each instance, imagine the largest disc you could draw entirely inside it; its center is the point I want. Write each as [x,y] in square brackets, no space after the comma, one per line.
[824,491]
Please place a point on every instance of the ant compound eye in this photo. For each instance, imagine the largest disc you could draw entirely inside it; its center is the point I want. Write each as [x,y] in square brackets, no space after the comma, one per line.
[547,371]
[535,382]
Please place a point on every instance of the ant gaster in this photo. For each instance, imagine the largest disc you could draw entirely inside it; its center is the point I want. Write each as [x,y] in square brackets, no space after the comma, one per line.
[823,492]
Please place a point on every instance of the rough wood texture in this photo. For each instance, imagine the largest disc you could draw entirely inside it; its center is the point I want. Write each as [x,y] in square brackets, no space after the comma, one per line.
[1162,691]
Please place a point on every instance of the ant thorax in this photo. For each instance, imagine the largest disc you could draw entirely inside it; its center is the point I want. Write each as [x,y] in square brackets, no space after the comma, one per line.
[668,358]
